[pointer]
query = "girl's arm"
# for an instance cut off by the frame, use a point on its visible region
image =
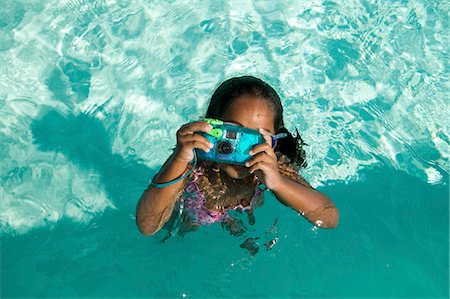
(155, 205)
(292, 190)
(289, 187)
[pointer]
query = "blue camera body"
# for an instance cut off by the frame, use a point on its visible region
(232, 143)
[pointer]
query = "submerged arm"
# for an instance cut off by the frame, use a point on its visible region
(275, 170)
(295, 192)
(155, 205)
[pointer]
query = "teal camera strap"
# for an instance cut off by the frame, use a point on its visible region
(162, 185)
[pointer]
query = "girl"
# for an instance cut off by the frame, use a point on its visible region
(212, 189)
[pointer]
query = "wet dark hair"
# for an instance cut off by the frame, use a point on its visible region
(231, 89)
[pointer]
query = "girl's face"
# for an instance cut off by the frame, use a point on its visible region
(250, 112)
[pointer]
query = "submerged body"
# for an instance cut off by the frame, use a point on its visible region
(213, 206)
(210, 193)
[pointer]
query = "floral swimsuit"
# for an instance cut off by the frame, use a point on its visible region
(194, 200)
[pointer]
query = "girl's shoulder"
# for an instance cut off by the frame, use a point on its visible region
(285, 162)
(289, 170)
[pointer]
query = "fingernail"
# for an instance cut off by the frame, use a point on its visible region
(208, 127)
(211, 145)
(251, 153)
(247, 164)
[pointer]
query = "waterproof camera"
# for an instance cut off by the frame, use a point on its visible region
(232, 143)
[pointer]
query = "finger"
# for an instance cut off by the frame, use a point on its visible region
(263, 166)
(261, 157)
(267, 136)
(199, 145)
(190, 128)
(188, 139)
(264, 147)
(192, 143)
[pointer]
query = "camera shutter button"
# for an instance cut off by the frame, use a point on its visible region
(216, 132)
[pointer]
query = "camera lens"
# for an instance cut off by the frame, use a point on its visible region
(225, 147)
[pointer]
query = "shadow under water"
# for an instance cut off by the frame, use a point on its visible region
(84, 140)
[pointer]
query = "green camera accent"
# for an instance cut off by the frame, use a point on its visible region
(213, 121)
(216, 132)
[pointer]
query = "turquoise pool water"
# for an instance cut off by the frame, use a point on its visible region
(92, 93)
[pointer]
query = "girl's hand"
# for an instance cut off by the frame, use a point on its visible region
(188, 140)
(264, 162)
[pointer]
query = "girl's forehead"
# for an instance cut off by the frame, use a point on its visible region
(251, 112)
